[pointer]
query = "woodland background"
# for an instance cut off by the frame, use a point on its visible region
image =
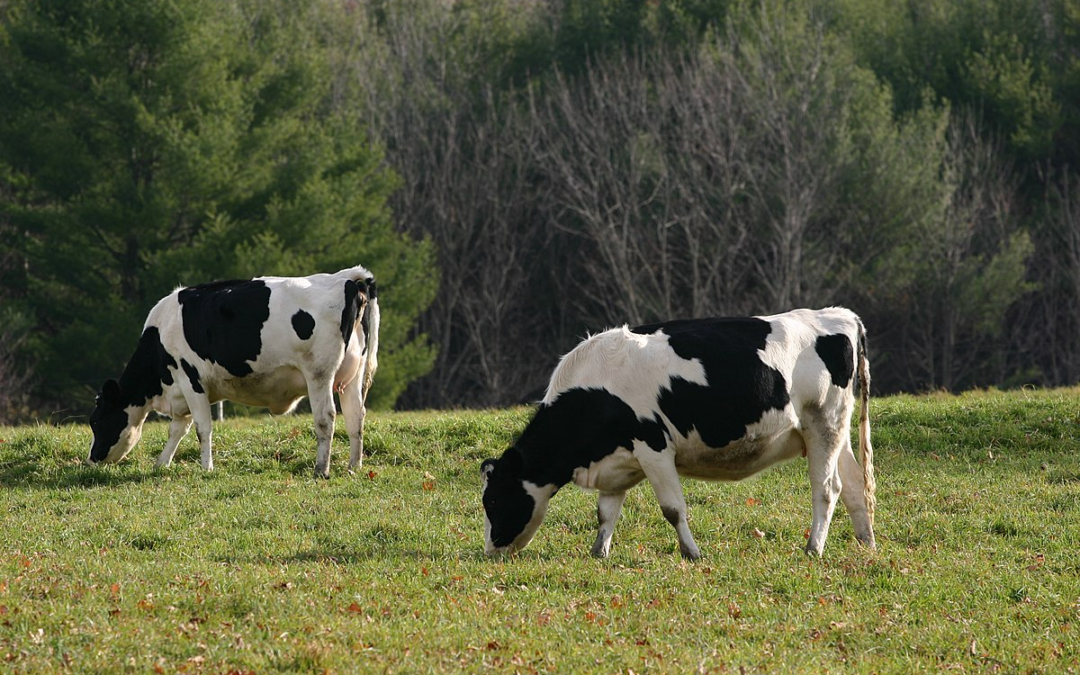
(518, 173)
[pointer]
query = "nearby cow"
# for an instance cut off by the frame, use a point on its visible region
(265, 342)
(715, 399)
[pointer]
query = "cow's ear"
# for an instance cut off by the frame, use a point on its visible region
(487, 467)
(110, 391)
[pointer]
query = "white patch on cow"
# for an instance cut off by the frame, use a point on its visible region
(631, 366)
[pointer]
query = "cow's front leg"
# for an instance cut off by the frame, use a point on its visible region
(178, 428)
(659, 468)
(352, 407)
(822, 453)
(851, 492)
(200, 412)
(322, 410)
(608, 507)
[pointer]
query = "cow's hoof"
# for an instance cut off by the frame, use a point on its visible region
(691, 552)
(600, 551)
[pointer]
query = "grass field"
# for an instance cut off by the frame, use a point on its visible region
(256, 567)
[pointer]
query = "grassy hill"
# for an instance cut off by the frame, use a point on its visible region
(256, 567)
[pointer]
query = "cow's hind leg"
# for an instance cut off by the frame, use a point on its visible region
(608, 508)
(851, 492)
(178, 428)
(322, 410)
(659, 468)
(352, 408)
(823, 442)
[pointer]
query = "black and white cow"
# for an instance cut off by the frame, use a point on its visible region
(714, 399)
(265, 342)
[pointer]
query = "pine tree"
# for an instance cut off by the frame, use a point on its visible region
(147, 144)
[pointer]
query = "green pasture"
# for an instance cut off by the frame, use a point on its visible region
(259, 568)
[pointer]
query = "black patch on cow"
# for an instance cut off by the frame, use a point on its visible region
(581, 426)
(147, 370)
(223, 322)
(351, 311)
(142, 379)
(193, 377)
(304, 324)
(741, 387)
(365, 322)
(839, 357)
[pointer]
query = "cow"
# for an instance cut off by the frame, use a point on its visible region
(264, 342)
(714, 399)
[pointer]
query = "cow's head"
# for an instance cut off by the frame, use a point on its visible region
(513, 507)
(117, 427)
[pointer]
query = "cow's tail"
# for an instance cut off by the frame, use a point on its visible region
(866, 450)
(370, 324)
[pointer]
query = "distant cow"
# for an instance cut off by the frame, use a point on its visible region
(714, 399)
(264, 342)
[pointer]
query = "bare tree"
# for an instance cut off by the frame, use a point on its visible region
(971, 266)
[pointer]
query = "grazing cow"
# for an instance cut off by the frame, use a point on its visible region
(265, 342)
(714, 399)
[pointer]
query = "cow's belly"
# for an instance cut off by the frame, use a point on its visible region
(737, 460)
(278, 389)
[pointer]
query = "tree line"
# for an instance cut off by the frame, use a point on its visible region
(519, 173)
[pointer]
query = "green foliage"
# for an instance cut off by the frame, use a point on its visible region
(154, 144)
(256, 567)
(994, 57)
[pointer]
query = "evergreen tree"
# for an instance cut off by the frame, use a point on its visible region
(152, 143)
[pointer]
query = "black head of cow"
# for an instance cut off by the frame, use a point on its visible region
(514, 507)
(117, 427)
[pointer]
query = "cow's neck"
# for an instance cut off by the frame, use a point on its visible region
(147, 372)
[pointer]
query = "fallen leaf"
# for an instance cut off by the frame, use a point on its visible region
(752, 502)
(355, 608)
(371, 475)
(758, 533)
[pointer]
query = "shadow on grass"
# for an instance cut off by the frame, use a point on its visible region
(354, 556)
(24, 472)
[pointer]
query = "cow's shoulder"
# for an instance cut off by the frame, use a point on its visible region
(581, 426)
